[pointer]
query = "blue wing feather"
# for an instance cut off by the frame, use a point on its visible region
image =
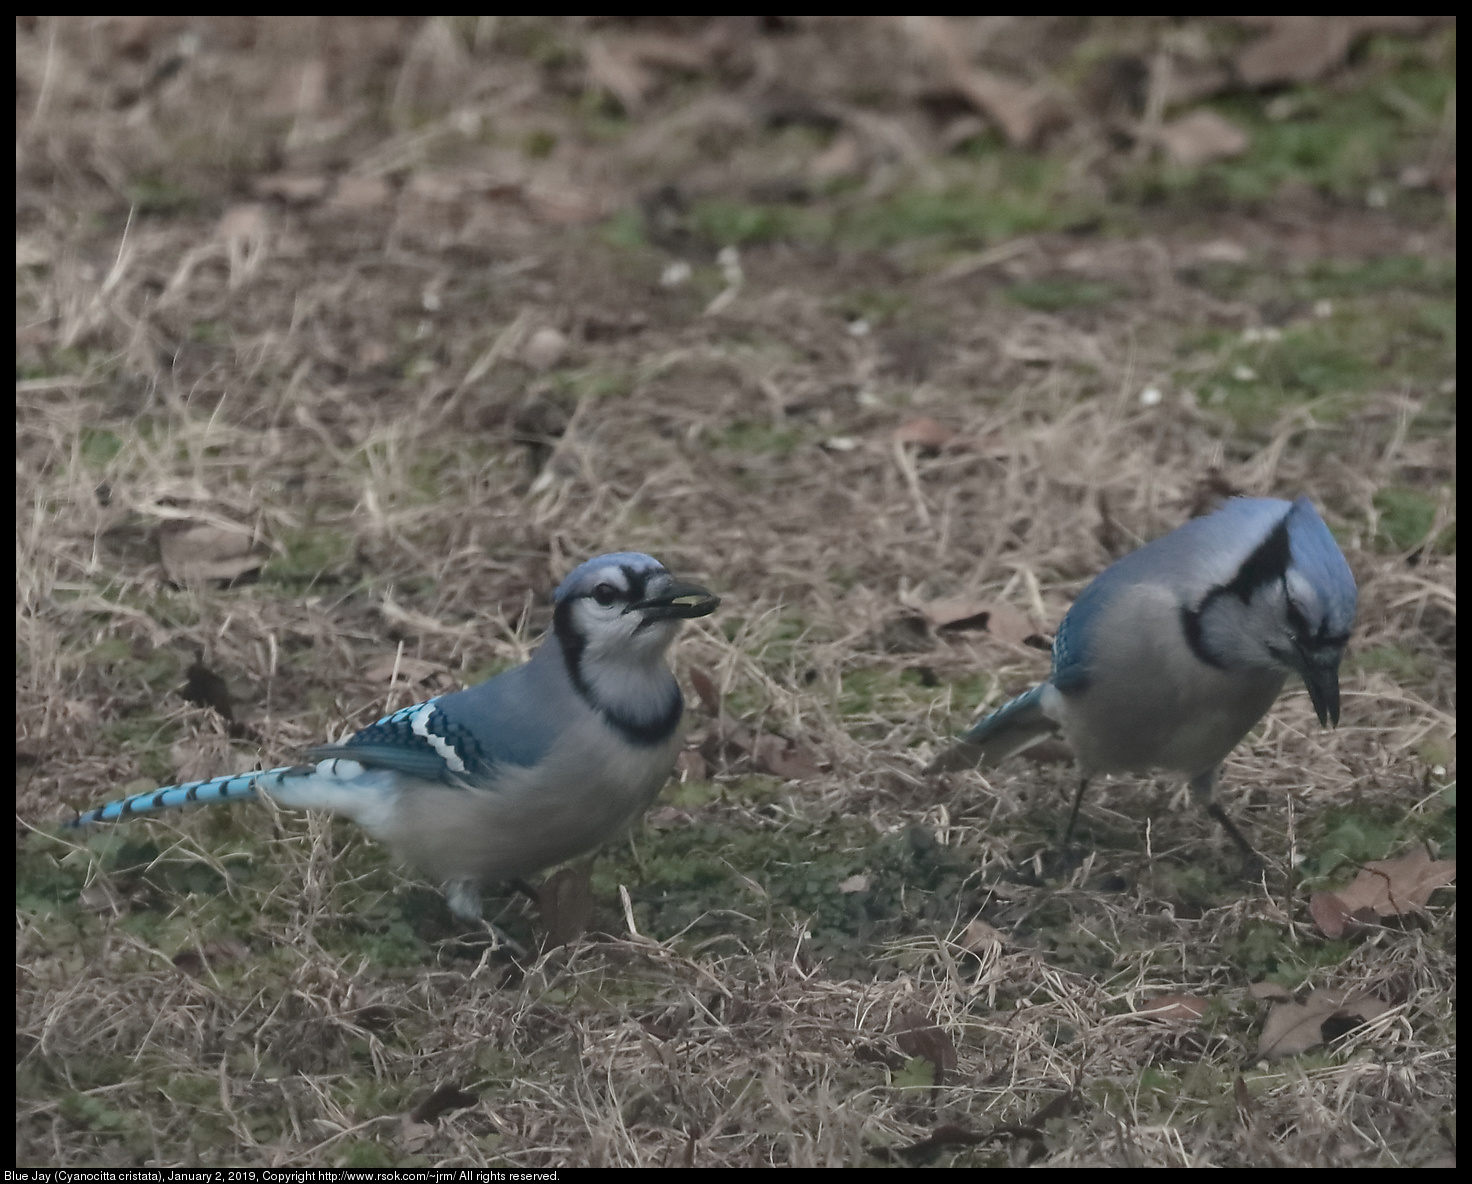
(461, 738)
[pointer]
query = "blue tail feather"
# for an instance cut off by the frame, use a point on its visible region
(236, 787)
(1015, 725)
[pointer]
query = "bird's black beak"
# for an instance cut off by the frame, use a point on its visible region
(679, 600)
(1322, 680)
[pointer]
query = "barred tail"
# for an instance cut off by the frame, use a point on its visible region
(217, 789)
(1017, 724)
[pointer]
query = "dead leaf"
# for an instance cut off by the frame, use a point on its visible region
(405, 670)
(667, 817)
(919, 1036)
(99, 897)
(203, 551)
(1304, 48)
(1202, 137)
(442, 1101)
(562, 204)
(853, 884)
(360, 193)
(1270, 991)
(1293, 1028)
(616, 71)
(1332, 917)
(925, 433)
(1394, 887)
(1022, 112)
(292, 188)
(978, 937)
(705, 687)
(784, 758)
(667, 52)
(211, 955)
(415, 1136)
(1001, 620)
(1191, 81)
(1049, 752)
(1175, 1008)
(842, 158)
(198, 758)
(566, 904)
(691, 766)
(246, 221)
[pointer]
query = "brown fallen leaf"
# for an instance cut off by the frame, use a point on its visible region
(919, 1036)
(292, 188)
(1305, 48)
(1293, 1028)
(667, 818)
(565, 901)
(730, 739)
(668, 52)
(1201, 137)
(784, 758)
(200, 757)
(691, 766)
(1270, 991)
(705, 687)
(926, 434)
(197, 551)
(405, 670)
(616, 71)
(1394, 887)
(1021, 111)
(1001, 620)
(842, 158)
(1332, 917)
(1050, 751)
(360, 193)
(1175, 1008)
(214, 954)
(979, 937)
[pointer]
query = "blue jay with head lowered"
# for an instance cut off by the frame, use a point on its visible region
(539, 765)
(1170, 656)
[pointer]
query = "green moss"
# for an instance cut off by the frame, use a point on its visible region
(539, 143)
(1404, 666)
(153, 193)
(307, 556)
(758, 438)
(1059, 294)
(1406, 519)
(98, 446)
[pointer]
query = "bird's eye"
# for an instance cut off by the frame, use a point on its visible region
(605, 594)
(1297, 622)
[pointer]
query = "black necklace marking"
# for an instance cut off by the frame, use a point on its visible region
(644, 733)
(1267, 564)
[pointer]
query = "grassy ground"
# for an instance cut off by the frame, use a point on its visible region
(339, 342)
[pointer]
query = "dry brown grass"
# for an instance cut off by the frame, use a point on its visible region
(339, 373)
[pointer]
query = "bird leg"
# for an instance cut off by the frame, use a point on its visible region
(1203, 785)
(1078, 800)
(1252, 860)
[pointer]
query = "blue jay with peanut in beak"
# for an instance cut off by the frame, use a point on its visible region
(541, 764)
(1169, 657)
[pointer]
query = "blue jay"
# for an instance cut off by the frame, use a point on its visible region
(1170, 656)
(540, 764)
